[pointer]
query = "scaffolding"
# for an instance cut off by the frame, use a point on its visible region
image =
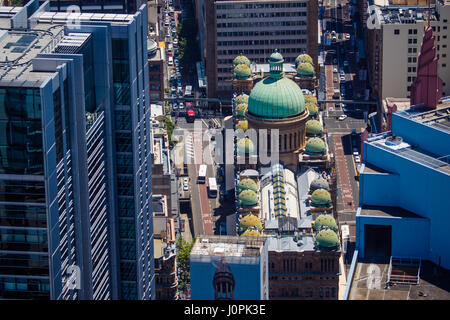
(404, 270)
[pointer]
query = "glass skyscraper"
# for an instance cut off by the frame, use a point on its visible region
(75, 167)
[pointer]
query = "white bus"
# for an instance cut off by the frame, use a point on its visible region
(201, 174)
(188, 91)
(212, 187)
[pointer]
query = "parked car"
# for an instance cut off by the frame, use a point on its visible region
(357, 159)
(355, 152)
(342, 117)
(346, 63)
(186, 187)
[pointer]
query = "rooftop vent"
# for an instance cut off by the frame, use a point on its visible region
(394, 140)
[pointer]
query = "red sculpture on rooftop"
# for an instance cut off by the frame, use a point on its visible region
(427, 87)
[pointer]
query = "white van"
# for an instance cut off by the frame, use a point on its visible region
(170, 61)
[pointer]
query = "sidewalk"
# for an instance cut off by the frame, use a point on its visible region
(342, 278)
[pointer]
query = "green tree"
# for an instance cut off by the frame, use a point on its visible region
(183, 259)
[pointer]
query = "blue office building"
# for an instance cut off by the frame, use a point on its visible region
(75, 167)
(404, 206)
(229, 268)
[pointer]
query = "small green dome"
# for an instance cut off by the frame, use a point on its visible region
(245, 145)
(327, 239)
(305, 70)
(313, 110)
(251, 233)
(247, 184)
(242, 124)
(248, 198)
(315, 147)
(240, 109)
(241, 59)
(313, 128)
(319, 183)
(325, 221)
(303, 58)
(250, 221)
(242, 98)
(242, 72)
(321, 198)
(276, 57)
(309, 98)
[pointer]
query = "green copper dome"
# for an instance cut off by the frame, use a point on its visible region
(251, 222)
(305, 70)
(303, 58)
(319, 183)
(325, 221)
(315, 147)
(240, 109)
(242, 98)
(247, 184)
(276, 57)
(242, 124)
(327, 239)
(309, 98)
(251, 233)
(313, 128)
(276, 97)
(313, 110)
(321, 198)
(242, 72)
(241, 59)
(248, 198)
(245, 145)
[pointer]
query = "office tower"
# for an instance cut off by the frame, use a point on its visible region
(255, 29)
(393, 48)
(75, 171)
(229, 268)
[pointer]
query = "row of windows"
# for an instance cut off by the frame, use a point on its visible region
(22, 191)
(261, 33)
(259, 42)
(263, 52)
(262, 15)
(20, 284)
(308, 292)
(262, 5)
(23, 236)
(261, 24)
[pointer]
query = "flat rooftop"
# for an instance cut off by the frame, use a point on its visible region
(384, 211)
(303, 243)
(434, 283)
(230, 246)
(400, 14)
(411, 153)
(438, 118)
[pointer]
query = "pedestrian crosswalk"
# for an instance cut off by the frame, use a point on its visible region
(189, 147)
(216, 122)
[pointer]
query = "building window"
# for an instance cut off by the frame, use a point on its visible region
(396, 31)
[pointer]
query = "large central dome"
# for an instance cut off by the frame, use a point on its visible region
(276, 97)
